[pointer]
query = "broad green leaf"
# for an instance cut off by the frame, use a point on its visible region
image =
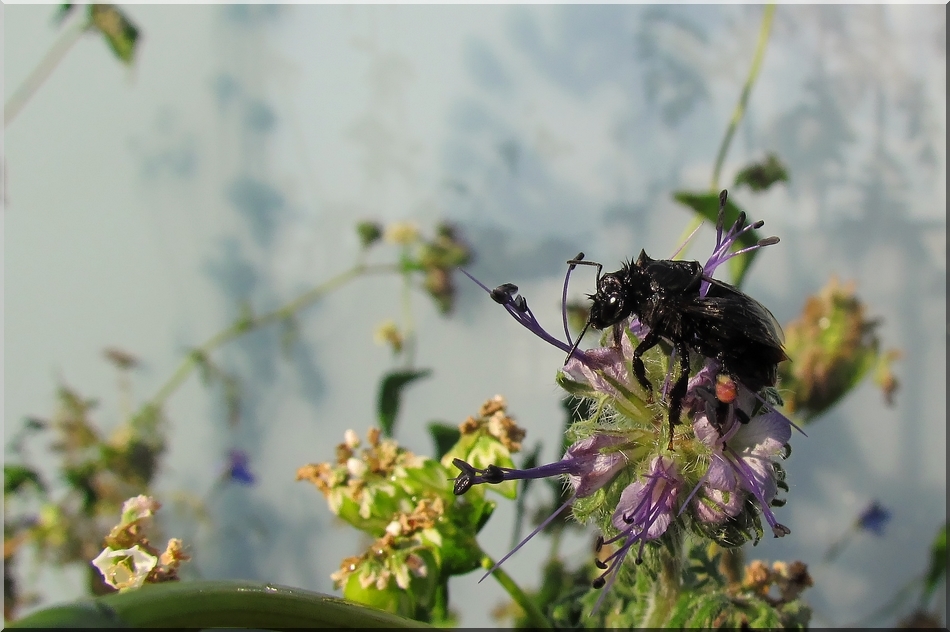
(218, 604)
(707, 206)
(115, 26)
(390, 393)
(88, 614)
(444, 436)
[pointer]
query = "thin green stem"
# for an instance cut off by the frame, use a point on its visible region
(739, 112)
(41, 73)
(737, 115)
(245, 325)
(536, 618)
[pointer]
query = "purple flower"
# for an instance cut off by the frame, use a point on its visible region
(721, 253)
(589, 464)
(874, 518)
(507, 296)
(742, 458)
(237, 468)
(644, 513)
(601, 366)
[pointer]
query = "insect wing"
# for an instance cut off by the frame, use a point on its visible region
(671, 277)
(763, 326)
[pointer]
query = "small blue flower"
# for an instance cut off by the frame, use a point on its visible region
(874, 518)
(238, 469)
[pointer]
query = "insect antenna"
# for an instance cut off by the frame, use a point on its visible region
(578, 341)
(573, 263)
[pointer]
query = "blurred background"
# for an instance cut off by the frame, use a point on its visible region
(229, 163)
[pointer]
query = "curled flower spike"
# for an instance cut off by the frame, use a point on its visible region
(644, 513)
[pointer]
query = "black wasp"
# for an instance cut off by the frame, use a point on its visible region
(725, 323)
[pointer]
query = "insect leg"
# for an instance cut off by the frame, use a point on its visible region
(679, 388)
(580, 261)
(640, 371)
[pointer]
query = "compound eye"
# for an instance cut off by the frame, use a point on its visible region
(613, 308)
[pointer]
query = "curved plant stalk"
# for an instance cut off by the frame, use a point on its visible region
(739, 112)
(244, 325)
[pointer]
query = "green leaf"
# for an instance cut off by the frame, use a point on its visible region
(938, 563)
(115, 26)
(444, 436)
(707, 206)
(15, 477)
(390, 391)
(759, 176)
(203, 604)
(369, 233)
(34, 424)
(89, 614)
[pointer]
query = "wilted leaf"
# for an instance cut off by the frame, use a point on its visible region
(120, 33)
(832, 346)
(759, 176)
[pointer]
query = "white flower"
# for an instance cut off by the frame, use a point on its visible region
(139, 507)
(125, 568)
(351, 439)
(356, 467)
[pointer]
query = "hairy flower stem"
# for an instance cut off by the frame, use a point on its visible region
(44, 69)
(536, 618)
(668, 584)
(244, 325)
(731, 564)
